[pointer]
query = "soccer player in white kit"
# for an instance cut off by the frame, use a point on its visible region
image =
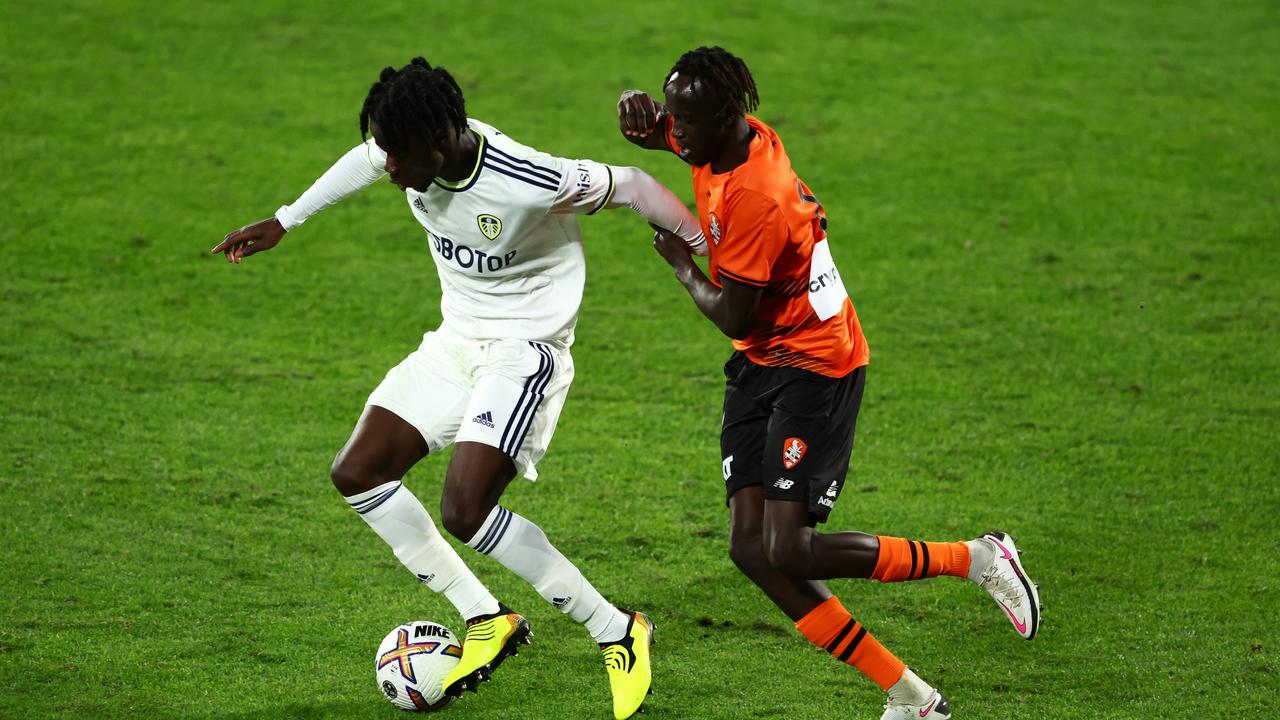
(493, 377)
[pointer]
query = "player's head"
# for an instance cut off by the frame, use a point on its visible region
(708, 92)
(416, 114)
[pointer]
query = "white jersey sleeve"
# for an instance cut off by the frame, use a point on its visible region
(359, 168)
(586, 186)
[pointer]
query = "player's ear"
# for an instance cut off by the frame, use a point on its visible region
(440, 141)
(729, 115)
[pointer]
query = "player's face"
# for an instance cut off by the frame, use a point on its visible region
(413, 168)
(699, 126)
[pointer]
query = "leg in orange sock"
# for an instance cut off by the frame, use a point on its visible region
(830, 627)
(902, 559)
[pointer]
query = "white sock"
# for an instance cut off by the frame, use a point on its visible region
(524, 549)
(981, 553)
(396, 515)
(910, 690)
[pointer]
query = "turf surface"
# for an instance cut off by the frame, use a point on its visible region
(1059, 223)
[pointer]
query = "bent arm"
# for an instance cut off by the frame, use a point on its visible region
(636, 189)
(733, 307)
(359, 168)
(642, 120)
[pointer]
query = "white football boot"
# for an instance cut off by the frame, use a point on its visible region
(937, 708)
(1008, 583)
(911, 698)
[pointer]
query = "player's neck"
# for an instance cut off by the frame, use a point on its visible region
(737, 147)
(463, 158)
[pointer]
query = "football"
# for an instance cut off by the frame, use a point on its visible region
(412, 662)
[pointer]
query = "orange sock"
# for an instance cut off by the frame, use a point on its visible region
(916, 560)
(830, 627)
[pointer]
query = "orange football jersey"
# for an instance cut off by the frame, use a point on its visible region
(767, 230)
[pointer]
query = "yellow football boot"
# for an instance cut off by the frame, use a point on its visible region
(490, 640)
(627, 662)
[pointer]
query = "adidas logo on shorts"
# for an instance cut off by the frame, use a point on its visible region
(485, 418)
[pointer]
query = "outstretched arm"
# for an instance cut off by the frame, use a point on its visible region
(587, 186)
(359, 168)
(733, 307)
(636, 189)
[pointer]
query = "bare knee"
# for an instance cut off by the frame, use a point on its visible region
(746, 550)
(352, 474)
(791, 553)
(461, 518)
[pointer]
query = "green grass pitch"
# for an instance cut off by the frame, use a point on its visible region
(1059, 221)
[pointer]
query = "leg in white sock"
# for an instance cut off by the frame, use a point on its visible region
(523, 548)
(400, 519)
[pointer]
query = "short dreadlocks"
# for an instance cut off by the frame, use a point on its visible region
(411, 105)
(723, 77)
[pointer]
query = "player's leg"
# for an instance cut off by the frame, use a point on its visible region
(799, 550)
(757, 471)
(807, 448)
(831, 627)
(794, 596)
(368, 471)
(817, 614)
(742, 441)
(507, 427)
(474, 481)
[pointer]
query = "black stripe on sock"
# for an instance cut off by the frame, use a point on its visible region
(853, 645)
(924, 552)
(831, 646)
(911, 575)
(485, 543)
(502, 531)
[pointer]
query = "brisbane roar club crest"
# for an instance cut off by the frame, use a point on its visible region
(793, 452)
(489, 225)
(714, 226)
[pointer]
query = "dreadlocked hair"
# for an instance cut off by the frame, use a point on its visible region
(723, 76)
(413, 104)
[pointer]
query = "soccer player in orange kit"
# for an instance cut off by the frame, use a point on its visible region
(795, 379)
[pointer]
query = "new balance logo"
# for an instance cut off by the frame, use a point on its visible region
(485, 418)
(419, 205)
(783, 483)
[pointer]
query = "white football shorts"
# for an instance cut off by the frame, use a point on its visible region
(504, 393)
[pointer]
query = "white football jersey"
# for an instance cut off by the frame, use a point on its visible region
(506, 245)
